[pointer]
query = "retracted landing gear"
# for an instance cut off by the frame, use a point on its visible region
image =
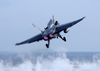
(64, 39)
(47, 45)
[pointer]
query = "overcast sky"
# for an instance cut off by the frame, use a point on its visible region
(17, 16)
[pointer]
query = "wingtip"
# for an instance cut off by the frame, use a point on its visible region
(16, 44)
(84, 17)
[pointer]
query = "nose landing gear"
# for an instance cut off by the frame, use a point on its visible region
(47, 45)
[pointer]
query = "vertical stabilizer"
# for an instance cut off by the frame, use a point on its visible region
(37, 28)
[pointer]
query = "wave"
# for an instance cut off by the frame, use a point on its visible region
(42, 62)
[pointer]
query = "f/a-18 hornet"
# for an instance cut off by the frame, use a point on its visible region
(52, 30)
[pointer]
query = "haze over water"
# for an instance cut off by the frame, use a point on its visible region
(55, 61)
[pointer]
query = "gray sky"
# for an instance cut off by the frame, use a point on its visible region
(17, 16)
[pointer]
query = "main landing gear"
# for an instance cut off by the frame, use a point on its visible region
(64, 39)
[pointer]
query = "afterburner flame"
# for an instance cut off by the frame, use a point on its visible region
(45, 38)
(51, 36)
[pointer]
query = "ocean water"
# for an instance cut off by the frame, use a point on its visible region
(54, 61)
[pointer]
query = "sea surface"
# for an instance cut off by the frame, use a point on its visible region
(52, 61)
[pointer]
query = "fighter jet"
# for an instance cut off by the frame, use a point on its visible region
(52, 31)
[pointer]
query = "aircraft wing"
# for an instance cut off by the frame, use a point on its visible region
(65, 26)
(33, 39)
